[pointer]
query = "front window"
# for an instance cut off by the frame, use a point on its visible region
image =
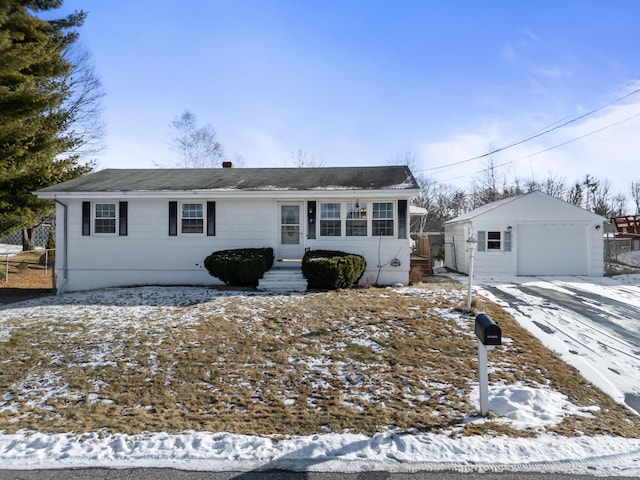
(382, 223)
(192, 219)
(330, 220)
(356, 219)
(105, 218)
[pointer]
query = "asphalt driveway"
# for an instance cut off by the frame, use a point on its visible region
(594, 324)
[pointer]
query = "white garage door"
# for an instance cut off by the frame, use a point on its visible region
(552, 249)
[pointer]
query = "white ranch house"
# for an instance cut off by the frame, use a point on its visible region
(529, 234)
(120, 227)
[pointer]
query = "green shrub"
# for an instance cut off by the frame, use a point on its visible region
(330, 269)
(240, 267)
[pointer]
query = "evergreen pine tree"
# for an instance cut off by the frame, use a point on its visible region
(34, 125)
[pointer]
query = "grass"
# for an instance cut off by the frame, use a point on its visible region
(356, 360)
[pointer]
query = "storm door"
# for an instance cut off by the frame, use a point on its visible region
(290, 235)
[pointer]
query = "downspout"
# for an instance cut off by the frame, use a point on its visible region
(65, 248)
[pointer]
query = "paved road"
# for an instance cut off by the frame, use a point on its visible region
(168, 474)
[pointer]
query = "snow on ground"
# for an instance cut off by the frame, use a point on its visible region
(518, 405)
(603, 342)
(330, 452)
(9, 249)
(630, 258)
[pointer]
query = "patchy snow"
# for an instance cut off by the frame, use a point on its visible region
(630, 258)
(524, 407)
(9, 249)
(602, 343)
(520, 406)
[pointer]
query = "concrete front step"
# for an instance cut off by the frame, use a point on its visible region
(283, 280)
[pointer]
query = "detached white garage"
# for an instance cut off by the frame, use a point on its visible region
(530, 234)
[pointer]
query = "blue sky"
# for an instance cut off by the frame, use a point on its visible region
(365, 82)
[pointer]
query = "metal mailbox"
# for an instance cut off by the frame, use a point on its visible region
(487, 330)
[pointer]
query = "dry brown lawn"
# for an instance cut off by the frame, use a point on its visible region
(365, 360)
(27, 278)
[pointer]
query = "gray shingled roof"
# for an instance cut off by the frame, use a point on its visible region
(249, 179)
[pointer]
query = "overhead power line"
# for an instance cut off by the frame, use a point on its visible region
(510, 162)
(550, 128)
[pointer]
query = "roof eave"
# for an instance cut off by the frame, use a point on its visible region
(234, 193)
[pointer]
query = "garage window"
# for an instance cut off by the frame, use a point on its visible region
(494, 241)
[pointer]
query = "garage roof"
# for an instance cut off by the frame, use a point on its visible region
(533, 198)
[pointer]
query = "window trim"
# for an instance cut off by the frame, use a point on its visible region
(360, 210)
(505, 241)
(391, 219)
(208, 218)
(492, 241)
(89, 217)
(95, 218)
(324, 219)
(182, 218)
(392, 213)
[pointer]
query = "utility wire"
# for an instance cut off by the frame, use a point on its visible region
(545, 130)
(510, 162)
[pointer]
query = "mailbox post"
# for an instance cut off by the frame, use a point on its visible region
(489, 335)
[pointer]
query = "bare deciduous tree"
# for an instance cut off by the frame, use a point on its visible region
(302, 159)
(442, 202)
(198, 146)
(635, 195)
(84, 104)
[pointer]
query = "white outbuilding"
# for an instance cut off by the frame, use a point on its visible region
(529, 234)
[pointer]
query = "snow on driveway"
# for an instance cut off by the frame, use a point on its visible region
(593, 323)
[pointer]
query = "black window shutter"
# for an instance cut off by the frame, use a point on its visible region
(211, 219)
(402, 219)
(173, 219)
(122, 214)
(86, 218)
(311, 219)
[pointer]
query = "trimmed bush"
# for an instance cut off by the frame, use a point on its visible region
(240, 267)
(331, 269)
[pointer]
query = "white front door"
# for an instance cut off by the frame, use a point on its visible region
(290, 234)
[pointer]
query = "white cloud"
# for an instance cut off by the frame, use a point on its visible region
(508, 52)
(604, 145)
(553, 72)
